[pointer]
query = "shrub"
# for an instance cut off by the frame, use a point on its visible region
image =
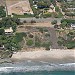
(29, 42)
(46, 30)
(46, 15)
(41, 30)
(24, 21)
(33, 21)
(19, 37)
(54, 22)
(37, 44)
(57, 9)
(31, 36)
(46, 45)
(1, 31)
(2, 12)
(47, 35)
(70, 44)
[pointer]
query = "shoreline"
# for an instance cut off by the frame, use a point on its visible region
(60, 60)
(52, 56)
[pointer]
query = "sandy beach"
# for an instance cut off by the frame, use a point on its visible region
(52, 55)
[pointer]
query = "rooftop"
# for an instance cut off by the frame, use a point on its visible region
(73, 25)
(9, 30)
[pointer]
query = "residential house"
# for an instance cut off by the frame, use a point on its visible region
(8, 31)
(71, 8)
(2, 47)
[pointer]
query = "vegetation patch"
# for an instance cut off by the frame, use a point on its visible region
(30, 42)
(22, 16)
(2, 11)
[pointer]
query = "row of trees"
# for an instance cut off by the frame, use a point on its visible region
(69, 21)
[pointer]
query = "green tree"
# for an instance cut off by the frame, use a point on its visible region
(9, 22)
(1, 31)
(54, 22)
(30, 42)
(64, 24)
(46, 45)
(70, 44)
(33, 21)
(57, 9)
(37, 44)
(2, 11)
(43, 4)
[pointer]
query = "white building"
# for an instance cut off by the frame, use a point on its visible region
(2, 47)
(35, 6)
(69, 0)
(8, 31)
(71, 8)
(72, 26)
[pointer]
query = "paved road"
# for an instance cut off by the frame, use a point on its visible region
(41, 19)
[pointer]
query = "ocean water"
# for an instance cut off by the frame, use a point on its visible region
(37, 68)
(41, 73)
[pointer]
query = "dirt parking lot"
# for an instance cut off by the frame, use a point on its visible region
(18, 7)
(2, 2)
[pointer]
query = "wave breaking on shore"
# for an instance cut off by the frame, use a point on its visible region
(50, 67)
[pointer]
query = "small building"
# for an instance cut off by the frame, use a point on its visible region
(71, 8)
(72, 26)
(69, 0)
(2, 47)
(35, 6)
(8, 31)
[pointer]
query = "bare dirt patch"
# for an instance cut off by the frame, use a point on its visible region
(18, 7)
(2, 2)
(22, 28)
